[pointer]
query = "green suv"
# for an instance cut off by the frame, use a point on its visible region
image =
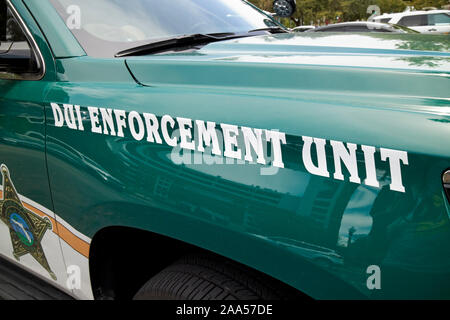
(199, 150)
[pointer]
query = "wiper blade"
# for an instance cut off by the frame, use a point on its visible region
(271, 30)
(177, 42)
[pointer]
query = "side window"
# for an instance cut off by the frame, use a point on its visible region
(383, 29)
(356, 29)
(414, 21)
(384, 20)
(332, 29)
(18, 60)
(438, 19)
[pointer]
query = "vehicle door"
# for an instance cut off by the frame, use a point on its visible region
(28, 228)
(418, 22)
(439, 23)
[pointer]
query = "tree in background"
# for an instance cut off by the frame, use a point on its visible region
(318, 12)
(419, 4)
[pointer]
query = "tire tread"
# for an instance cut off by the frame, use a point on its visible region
(206, 277)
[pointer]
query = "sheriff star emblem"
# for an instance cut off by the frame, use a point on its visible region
(26, 228)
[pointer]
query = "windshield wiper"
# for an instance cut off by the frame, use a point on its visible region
(178, 42)
(271, 30)
(187, 41)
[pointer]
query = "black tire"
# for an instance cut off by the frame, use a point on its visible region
(202, 277)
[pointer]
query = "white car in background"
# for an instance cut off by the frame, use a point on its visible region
(302, 28)
(432, 21)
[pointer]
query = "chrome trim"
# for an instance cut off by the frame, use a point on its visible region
(34, 47)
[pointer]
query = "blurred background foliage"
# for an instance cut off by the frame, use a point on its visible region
(319, 12)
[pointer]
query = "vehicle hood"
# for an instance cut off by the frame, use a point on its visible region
(257, 61)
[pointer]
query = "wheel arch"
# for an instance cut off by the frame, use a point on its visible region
(122, 259)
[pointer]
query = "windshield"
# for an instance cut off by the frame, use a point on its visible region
(104, 27)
